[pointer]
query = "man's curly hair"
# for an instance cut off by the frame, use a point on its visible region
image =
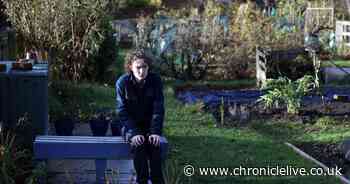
(135, 55)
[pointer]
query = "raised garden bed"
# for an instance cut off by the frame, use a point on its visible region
(211, 87)
(237, 107)
(329, 154)
(314, 107)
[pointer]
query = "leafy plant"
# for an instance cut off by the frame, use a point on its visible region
(100, 67)
(38, 173)
(103, 114)
(12, 159)
(324, 122)
(171, 172)
(62, 101)
(283, 91)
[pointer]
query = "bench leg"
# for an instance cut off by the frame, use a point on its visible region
(100, 165)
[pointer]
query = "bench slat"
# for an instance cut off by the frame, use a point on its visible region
(87, 147)
(84, 147)
(57, 150)
(78, 138)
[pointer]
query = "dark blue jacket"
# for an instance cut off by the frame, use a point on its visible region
(140, 107)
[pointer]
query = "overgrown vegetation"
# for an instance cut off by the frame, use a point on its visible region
(69, 99)
(191, 42)
(70, 30)
(101, 65)
(218, 40)
(16, 165)
(283, 91)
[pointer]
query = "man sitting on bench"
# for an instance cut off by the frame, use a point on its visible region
(140, 106)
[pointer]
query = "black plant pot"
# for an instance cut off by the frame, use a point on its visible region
(64, 127)
(116, 127)
(98, 127)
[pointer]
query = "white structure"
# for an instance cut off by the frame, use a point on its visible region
(342, 33)
(318, 16)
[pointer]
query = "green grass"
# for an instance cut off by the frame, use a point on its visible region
(340, 63)
(296, 132)
(195, 140)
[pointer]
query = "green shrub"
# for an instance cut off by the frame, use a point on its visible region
(119, 65)
(324, 122)
(14, 159)
(171, 172)
(38, 173)
(283, 91)
(68, 98)
(101, 64)
(196, 107)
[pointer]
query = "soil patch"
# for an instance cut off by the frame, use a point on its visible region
(241, 105)
(327, 153)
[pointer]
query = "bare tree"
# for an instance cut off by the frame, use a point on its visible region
(69, 28)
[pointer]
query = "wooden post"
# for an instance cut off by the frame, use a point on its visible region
(261, 67)
(317, 65)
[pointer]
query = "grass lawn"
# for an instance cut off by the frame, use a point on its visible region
(195, 140)
(340, 63)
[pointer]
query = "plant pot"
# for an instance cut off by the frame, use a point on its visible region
(116, 127)
(64, 127)
(2, 67)
(22, 66)
(98, 127)
(22, 178)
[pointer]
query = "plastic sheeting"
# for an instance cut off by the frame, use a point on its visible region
(214, 97)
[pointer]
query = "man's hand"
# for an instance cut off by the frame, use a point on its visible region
(137, 140)
(154, 139)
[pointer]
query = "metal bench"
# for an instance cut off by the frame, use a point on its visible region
(100, 149)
